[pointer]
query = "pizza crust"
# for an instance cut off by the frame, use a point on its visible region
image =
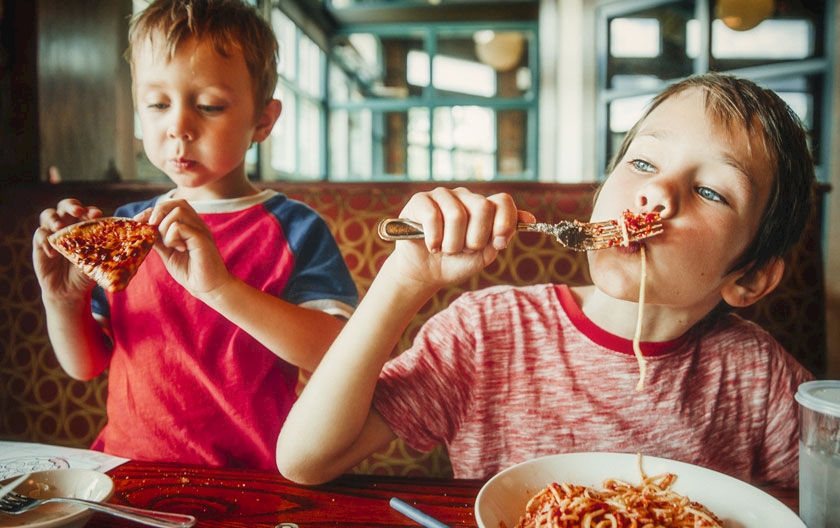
(109, 250)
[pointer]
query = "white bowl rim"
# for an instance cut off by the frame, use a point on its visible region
(104, 487)
(674, 466)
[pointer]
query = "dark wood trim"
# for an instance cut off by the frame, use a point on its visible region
(19, 136)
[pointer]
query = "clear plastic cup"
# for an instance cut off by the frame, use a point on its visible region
(819, 453)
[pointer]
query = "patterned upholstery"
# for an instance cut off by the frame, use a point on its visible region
(39, 403)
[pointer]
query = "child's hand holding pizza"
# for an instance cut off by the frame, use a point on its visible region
(187, 247)
(57, 275)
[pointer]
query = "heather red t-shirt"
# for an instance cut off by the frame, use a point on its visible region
(508, 374)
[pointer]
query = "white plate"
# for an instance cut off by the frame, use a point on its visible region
(79, 483)
(738, 504)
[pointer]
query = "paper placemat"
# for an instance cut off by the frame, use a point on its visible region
(18, 458)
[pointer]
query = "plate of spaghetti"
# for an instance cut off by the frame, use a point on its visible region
(595, 490)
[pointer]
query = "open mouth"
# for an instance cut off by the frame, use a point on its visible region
(630, 248)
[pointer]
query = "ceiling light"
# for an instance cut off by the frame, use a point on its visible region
(743, 15)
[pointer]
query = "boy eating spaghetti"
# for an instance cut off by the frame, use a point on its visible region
(509, 374)
(244, 286)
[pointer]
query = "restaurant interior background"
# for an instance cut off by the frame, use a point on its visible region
(394, 90)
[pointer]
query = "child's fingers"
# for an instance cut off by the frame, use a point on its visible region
(526, 216)
(166, 208)
(70, 207)
(177, 223)
(455, 210)
(458, 220)
(171, 228)
(165, 214)
(506, 219)
(492, 220)
(173, 236)
(68, 211)
(480, 223)
(40, 242)
(73, 208)
(144, 215)
(424, 209)
(48, 219)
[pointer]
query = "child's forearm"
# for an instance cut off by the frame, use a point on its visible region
(297, 335)
(332, 425)
(76, 338)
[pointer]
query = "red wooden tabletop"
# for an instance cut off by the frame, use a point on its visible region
(240, 497)
(232, 497)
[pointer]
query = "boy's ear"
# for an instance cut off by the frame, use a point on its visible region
(748, 288)
(267, 119)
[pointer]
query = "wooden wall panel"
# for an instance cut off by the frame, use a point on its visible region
(84, 102)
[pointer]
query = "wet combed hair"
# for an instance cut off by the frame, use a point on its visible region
(738, 102)
(228, 24)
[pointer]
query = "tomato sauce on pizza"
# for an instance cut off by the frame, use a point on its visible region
(109, 250)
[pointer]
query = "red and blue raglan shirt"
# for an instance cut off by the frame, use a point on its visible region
(184, 383)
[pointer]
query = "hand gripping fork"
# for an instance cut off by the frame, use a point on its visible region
(573, 234)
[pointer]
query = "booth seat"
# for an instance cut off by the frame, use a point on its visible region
(40, 403)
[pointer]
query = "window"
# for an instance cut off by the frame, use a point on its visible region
(640, 50)
(294, 150)
(397, 101)
(433, 102)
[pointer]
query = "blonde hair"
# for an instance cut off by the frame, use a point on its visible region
(228, 25)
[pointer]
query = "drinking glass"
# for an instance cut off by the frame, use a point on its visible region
(819, 453)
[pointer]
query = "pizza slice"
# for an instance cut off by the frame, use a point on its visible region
(108, 250)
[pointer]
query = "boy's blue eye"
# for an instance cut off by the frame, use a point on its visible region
(709, 194)
(210, 109)
(158, 106)
(642, 165)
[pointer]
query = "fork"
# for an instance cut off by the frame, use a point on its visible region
(15, 503)
(573, 234)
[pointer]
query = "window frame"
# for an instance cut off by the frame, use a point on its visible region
(818, 66)
(430, 31)
(292, 107)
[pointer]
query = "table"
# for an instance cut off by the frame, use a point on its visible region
(232, 497)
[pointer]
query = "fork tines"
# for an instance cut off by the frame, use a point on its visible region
(12, 502)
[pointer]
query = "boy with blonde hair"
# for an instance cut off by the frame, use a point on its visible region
(244, 287)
